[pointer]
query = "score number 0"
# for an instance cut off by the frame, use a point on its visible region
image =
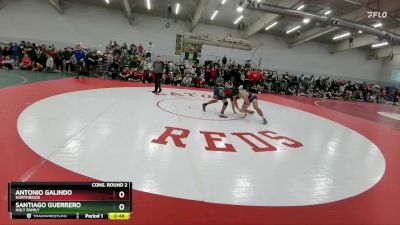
(121, 206)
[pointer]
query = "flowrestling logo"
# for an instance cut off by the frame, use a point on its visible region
(377, 14)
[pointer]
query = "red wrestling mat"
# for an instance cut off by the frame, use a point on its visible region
(378, 205)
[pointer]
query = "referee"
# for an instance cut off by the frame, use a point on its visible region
(158, 67)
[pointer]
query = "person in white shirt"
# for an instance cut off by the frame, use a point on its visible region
(8, 63)
(187, 80)
(49, 63)
(110, 59)
(149, 50)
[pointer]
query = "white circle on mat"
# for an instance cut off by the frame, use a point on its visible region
(107, 134)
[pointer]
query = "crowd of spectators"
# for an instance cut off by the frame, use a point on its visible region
(134, 63)
(328, 88)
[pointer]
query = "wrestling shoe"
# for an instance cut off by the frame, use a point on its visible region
(223, 115)
(265, 121)
(204, 107)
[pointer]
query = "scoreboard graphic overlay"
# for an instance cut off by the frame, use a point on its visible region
(70, 200)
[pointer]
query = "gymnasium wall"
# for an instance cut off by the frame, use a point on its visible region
(94, 25)
(391, 70)
(310, 57)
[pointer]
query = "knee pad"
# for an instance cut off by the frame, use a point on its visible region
(225, 103)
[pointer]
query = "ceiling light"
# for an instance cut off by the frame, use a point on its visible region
(293, 29)
(108, 1)
(341, 36)
(376, 25)
(223, 2)
(360, 31)
(272, 25)
(177, 8)
(306, 20)
(258, 1)
(379, 44)
(238, 19)
(300, 7)
(328, 12)
(148, 4)
(214, 14)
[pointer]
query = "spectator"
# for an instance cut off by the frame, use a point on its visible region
(213, 75)
(140, 49)
(66, 59)
(224, 61)
(168, 78)
(147, 77)
(149, 50)
(187, 80)
(26, 63)
(92, 63)
(135, 75)
(37, 67)
(136, 62)
(177, 79)
(113, 69)
(110, 59)
(16, 53)
(49, 63)
(125, 73)
(146, 71)
(8, 63)
(200, 82)
(80, 57)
